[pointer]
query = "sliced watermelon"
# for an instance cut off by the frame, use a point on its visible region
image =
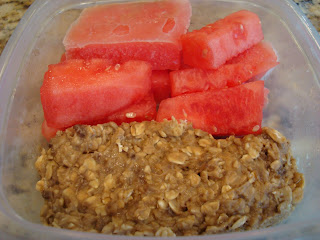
(195, 80)
(81, 92)
(160, 83)
(48, 132)
(216, 43)
(148, 31)
(236, 110)
(145, 110)
(254, 61)
(63, 57)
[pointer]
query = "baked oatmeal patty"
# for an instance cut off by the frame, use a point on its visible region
(166, 179)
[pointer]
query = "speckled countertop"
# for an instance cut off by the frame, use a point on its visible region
(11, 12)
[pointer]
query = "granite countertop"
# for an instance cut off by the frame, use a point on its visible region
(11, 11)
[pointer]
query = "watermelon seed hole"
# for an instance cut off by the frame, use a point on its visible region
(121, 30)
(169, 25)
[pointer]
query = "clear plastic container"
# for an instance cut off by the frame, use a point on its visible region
(293, 109)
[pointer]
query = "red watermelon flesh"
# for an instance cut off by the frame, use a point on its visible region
(195, 80)
(236, 110)
(63, 57)
(81, 92)
(216, 43)
(254, 61)
(160, 82)
(148, 31)
(183, 65)
(48, 132)
(144, 110)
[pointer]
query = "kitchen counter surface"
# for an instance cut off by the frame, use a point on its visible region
(11, 11)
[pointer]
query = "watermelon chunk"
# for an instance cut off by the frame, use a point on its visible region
(252, 62)
(82, 92)
(63, 57)
(48, 132)
(195, 80)
(148, 31)
(145, 110)
(216, 43)
(236, 110)
(160, 83)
